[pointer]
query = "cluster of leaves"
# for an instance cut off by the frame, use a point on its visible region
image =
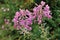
(51, 31)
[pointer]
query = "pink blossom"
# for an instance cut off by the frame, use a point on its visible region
(46, 8)
(25, 18)
(42, 3)
(6, 21)
(28, 27)
(22, 18)
(17, 14)
(47, 12)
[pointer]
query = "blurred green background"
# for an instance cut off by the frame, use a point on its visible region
(51, 29)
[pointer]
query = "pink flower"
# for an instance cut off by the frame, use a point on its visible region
(28, 22)
(17, 14)
(22, 22)
(22, 12)
(25, 18)
(28, 27)
(6, 21)
(47, 12)
(46, 8)
(42, 3)
(39, 22)
(49, 16)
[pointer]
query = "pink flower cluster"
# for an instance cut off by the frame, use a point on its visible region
(25, 18)
(41, 11)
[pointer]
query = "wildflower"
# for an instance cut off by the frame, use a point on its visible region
(2, 26)
(4, 10)
(6, 21)
(7, 9)
(23, 18)
(40, 11)
(47, 12)
(42, 3)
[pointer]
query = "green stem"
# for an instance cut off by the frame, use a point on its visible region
(24, 36)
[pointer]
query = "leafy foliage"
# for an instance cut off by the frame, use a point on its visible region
(49, 30)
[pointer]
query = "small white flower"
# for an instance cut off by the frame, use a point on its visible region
(8, 9)
(2, 26)
(4, 10)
